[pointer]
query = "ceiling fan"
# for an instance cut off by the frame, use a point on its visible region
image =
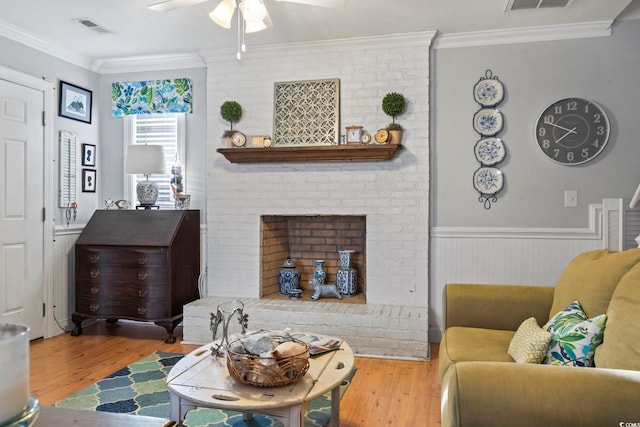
(167, 5)
(252, 15)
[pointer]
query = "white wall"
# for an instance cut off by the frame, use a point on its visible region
(394, 195)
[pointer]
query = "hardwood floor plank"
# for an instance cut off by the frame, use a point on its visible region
(384, 391)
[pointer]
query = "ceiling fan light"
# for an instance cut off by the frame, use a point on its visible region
(223, 13)
(254, 27)
(253, 10)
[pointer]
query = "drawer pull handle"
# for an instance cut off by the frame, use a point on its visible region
(94, 290)
(143, 293)
(142, 259)
(142, 310)
(94, 274)
(93, 259)
(94, 307)
(143, 275)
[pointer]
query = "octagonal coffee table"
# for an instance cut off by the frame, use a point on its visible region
(200, 380)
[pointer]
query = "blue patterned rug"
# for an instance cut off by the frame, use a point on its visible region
(140, 389)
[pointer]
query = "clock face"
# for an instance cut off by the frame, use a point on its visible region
(572, 131)
(238, 139)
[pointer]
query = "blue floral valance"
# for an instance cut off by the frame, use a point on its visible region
(152, 96)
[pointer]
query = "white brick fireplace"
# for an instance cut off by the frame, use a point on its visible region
(392, 195)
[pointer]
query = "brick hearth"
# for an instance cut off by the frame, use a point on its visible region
(370, 329)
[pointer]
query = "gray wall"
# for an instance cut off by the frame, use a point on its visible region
(36, 63)
(603, 69)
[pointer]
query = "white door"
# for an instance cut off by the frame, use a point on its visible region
(21, 205)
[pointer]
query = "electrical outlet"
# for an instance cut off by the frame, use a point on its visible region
(570, 198)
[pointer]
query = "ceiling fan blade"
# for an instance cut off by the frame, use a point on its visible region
(323, 3)
(167, 5)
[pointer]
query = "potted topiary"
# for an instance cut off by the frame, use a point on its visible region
(393, 104)
(230, 111)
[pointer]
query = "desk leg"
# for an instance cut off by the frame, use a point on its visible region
(335, 407)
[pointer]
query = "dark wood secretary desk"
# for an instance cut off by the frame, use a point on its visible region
(139, 265)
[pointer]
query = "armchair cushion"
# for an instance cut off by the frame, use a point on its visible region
(621, 346)
(461, 344)
(591, 278)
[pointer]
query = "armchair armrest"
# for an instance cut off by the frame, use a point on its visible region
(494, 394)
(495, 306)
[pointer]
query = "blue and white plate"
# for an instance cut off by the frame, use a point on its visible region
(488, 121)
(487, 180)
(488, 92)
(490, 151)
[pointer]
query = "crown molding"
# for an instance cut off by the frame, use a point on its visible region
(150, 62)
(13, 33)
(422, 39)
(524, 35)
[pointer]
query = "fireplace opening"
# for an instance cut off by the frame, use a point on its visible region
(306, 239)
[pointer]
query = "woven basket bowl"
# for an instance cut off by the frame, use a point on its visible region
(267, 371)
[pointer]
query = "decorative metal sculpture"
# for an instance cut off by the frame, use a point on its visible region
(306, 112)
(224, 313)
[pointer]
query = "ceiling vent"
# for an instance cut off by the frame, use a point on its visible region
(91, 25)
(536, 4)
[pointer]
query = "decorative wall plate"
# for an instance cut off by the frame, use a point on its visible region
(490, 151)
(488, 92)
(488, 180)
(488, 121)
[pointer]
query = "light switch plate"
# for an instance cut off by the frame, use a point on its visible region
(570, 198)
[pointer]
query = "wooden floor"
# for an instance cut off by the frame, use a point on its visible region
(383, 392)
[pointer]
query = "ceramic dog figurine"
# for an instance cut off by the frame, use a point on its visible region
(330, 289)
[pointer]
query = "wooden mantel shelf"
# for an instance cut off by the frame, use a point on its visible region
(312, 153)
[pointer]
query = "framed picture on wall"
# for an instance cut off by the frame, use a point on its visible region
(88, 155)
(75, 102)
(88, 180)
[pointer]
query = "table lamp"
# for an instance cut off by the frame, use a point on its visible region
(145, 159)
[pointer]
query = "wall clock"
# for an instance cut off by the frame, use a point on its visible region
(572, 131)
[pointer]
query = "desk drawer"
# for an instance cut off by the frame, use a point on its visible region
(124, 308)
(98, 256)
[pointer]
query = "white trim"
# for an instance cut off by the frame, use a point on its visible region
(150, 63)
(18, 35)
(416, 40)
(524, 35)
(593, 231)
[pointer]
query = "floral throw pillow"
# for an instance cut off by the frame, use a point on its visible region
(575, 337)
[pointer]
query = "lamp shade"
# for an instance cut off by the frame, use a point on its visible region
(223, 13)
(145, 159)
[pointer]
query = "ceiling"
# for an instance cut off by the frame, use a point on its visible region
(134, 30)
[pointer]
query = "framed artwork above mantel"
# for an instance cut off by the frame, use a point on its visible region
(306, 113)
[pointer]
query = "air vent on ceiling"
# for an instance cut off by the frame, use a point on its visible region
(536, 4)
(91, 25)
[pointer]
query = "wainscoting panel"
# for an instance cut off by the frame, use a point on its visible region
(526, 256)
(63, 278)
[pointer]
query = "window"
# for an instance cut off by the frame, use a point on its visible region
(166, 130)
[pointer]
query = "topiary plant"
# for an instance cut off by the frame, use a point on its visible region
(393, 104)
(230, 111)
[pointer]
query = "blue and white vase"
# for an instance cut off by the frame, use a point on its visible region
(319, 274)
(346, 277)
(288, 277)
